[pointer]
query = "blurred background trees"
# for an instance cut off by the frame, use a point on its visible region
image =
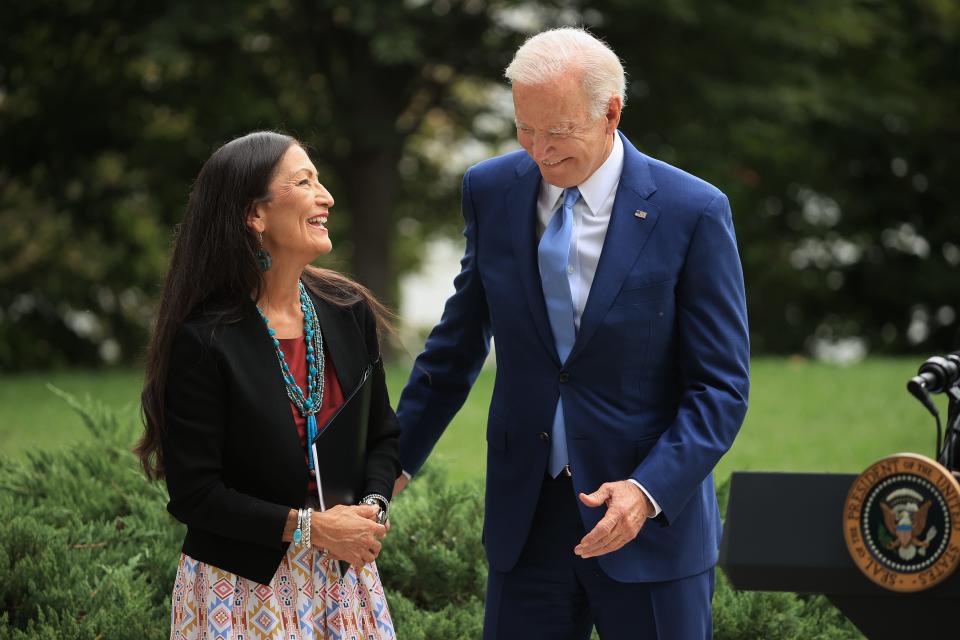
(831, 125)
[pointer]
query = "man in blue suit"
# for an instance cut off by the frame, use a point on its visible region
(612, 284)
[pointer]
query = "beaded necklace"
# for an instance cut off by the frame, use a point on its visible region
(308, 405)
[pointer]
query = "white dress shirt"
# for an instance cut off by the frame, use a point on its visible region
(591, 218)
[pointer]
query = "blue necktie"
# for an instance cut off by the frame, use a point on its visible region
(553, 256)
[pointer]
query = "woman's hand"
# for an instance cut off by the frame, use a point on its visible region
(348, 533)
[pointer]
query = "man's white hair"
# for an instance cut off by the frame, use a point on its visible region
(547, 55)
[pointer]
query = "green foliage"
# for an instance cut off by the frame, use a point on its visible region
(108, 110)
(433, 565)
(830, 124)
(86, 547)
(819, 122)
(88, 550)
(745, 615)
(452, 621)
(435, 557)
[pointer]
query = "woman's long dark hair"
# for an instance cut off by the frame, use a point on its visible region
(213, 266)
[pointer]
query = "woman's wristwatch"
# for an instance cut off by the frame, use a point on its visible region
(378, 500)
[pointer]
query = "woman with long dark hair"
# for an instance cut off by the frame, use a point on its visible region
(253, 348)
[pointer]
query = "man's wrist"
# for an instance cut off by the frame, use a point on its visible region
(655, 509)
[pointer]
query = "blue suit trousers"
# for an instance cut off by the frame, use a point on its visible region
(553, 594)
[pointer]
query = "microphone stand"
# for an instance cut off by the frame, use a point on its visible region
(950, 454)
(942, 375)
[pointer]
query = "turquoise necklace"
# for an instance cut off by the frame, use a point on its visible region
(307, 404)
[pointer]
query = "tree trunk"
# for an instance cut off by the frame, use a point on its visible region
(372, 179)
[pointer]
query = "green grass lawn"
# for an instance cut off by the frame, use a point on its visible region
(31, 416)
(803, 415)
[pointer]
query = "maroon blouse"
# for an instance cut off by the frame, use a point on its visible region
(295, 353)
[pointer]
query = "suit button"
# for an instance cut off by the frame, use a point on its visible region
(564, 376)
(545, 436)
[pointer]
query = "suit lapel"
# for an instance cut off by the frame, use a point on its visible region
(341, 342)
(626, 237)
(271, 385)
(521, 201)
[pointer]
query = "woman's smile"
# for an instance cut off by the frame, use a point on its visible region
(318, 222)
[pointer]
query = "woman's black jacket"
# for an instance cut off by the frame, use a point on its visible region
(232, 457)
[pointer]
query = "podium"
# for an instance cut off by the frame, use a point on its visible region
(784, 532)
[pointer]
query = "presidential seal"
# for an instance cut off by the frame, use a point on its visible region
(901, 522)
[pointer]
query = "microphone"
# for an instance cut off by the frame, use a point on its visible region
(936, 375)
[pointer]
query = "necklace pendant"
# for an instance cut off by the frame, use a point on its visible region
(311, 435)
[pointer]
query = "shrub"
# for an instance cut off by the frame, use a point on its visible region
(433, 565)
(87, 550)
(86, 547)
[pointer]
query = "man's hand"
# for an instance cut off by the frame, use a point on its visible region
(627, 510)
(400, 484)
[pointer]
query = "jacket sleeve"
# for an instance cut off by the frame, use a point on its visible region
(714, 358)
(452, 358)
(383, 430)
(193, 447)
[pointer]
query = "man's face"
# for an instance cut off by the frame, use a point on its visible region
(554, 126)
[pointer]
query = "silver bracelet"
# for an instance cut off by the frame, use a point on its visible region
(298, 532)
(308, 520)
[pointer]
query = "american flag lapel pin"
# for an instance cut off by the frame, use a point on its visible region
(640, 214)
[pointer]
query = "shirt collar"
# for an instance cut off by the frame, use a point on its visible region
(598, 186)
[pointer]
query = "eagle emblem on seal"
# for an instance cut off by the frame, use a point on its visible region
(905, 519)
(901, 522)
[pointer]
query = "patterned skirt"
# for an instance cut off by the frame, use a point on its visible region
(306, 600)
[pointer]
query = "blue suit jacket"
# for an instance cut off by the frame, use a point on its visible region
(654, 389)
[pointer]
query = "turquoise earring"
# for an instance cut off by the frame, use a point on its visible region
(263, 256)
